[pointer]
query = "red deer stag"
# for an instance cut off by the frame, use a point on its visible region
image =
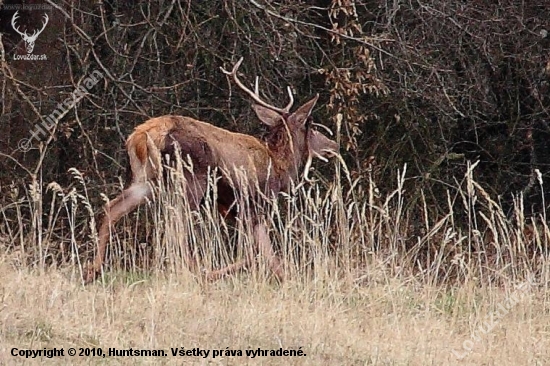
(270, 164)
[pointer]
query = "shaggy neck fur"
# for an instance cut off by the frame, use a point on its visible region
(288, 151)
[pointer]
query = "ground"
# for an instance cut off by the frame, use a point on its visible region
(334, 321)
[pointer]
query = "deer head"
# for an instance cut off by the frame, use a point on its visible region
(304, 141)
(29, 40)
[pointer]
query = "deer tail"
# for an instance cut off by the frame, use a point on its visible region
(144, 156)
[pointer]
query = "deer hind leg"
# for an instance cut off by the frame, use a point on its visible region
(126, 202)
(265, 248)
(196, 188)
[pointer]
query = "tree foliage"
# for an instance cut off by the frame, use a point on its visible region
(431, 84)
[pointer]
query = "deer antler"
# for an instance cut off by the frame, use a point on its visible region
(15, 27)
(35, 34)
(255, 95)
(44, 23)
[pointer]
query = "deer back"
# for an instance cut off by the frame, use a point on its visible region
(157, 141)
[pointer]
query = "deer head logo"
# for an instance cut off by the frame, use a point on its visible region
(29, 39)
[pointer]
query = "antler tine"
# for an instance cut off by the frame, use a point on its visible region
(324, 127)
(234, 71)
(291, 102)
(46, 19)
(255, 95)
(15, 27)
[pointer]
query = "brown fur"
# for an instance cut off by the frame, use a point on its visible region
(208, 146)
(269, 164)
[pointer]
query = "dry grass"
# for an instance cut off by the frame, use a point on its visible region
(396, 323)
(364, 288)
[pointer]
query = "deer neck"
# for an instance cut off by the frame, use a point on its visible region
(288, 155)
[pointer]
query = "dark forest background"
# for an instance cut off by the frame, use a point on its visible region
(432, 84)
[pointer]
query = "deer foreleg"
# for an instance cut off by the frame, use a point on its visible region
(263, 245)
(196, 185)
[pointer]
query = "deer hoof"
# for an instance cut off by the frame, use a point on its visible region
(90, 275)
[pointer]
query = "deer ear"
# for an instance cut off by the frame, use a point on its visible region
(267, 116)
(299, 117)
